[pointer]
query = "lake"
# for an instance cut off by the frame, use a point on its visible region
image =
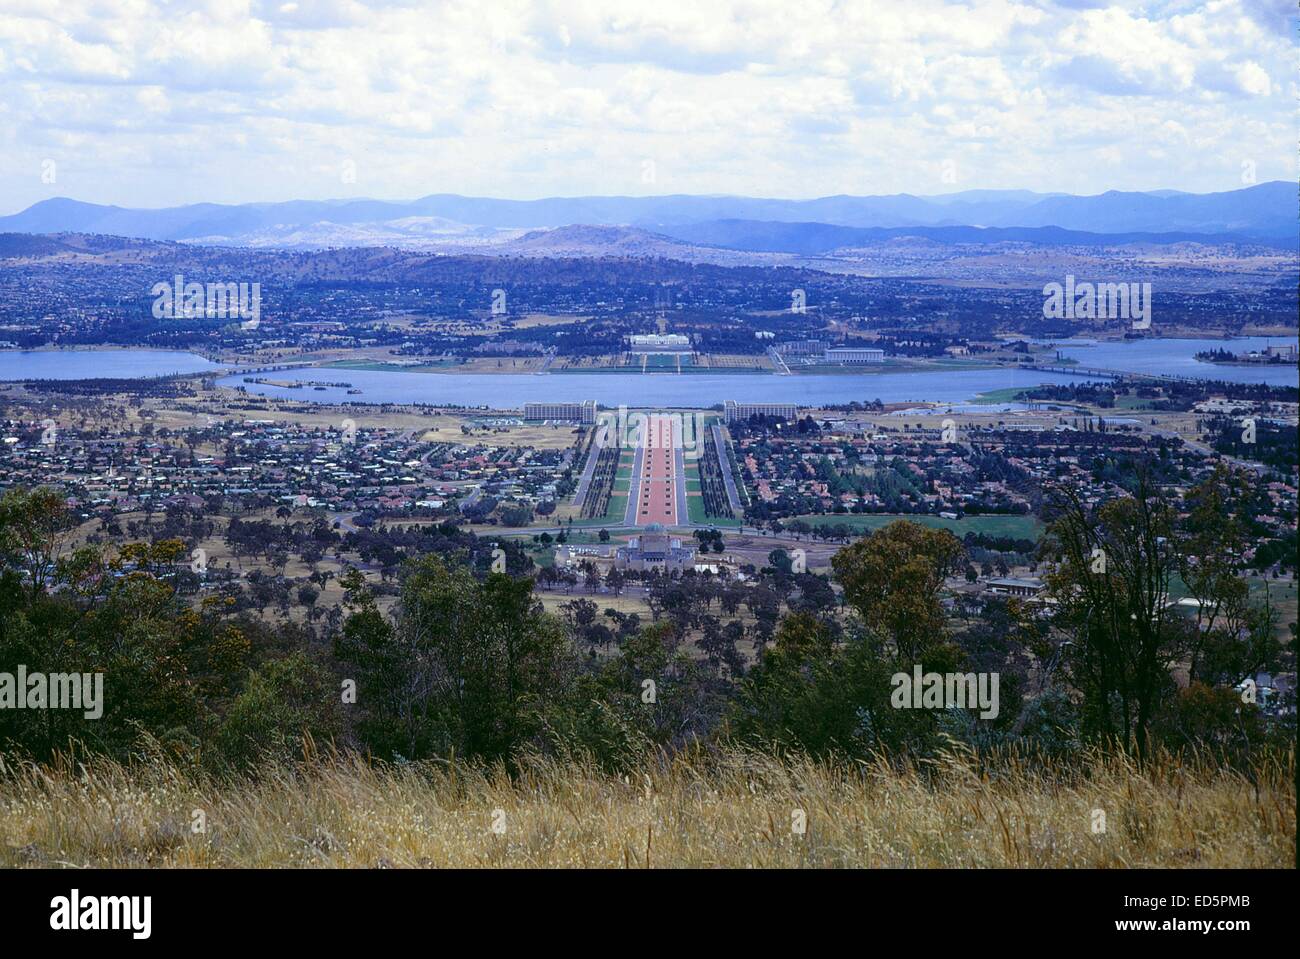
(691, 390)
(1178, 358)
(695, 390)
(88, 364)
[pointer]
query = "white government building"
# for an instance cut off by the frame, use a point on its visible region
(659, 343)
(853, 354)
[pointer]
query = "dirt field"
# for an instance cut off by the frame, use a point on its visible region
(220, 404)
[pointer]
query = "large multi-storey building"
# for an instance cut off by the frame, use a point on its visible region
(739, 412)
(853, 354)
(802, 348)
(583, 412)
(654, 549)
(659, 343)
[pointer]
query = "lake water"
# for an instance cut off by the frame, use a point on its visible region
(88, 364)
(691, 390)
(1178, 358)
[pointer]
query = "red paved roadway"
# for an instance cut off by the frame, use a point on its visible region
(657, 484)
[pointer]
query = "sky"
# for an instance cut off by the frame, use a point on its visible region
(151, 103)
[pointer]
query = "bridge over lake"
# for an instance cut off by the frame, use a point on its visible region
(1105, 373)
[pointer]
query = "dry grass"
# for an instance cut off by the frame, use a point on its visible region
(736, 810)
(500, 364)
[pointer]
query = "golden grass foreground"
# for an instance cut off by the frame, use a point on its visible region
(731, 809)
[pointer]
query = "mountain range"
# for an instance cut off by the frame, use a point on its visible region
(1263, 214)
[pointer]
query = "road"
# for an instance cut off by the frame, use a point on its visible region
(724, 463)
(679, 469)
(658, 488)
(584, 481)
(778, 361)
(633, 486)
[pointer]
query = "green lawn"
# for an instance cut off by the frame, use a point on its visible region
(617, 508)
(1281, 593)
(664, 361)
(694, 504)
(1131, 403)
(687, 368)
(614, 514)
(623, 478)
(717, 521)
(1009, 395)
(382, 367)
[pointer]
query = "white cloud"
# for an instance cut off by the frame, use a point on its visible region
(153, 103)
(1252, 79)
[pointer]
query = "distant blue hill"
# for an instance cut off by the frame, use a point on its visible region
(1267, 210)
(816, 239)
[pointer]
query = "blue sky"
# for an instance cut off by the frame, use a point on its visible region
(155, 103)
